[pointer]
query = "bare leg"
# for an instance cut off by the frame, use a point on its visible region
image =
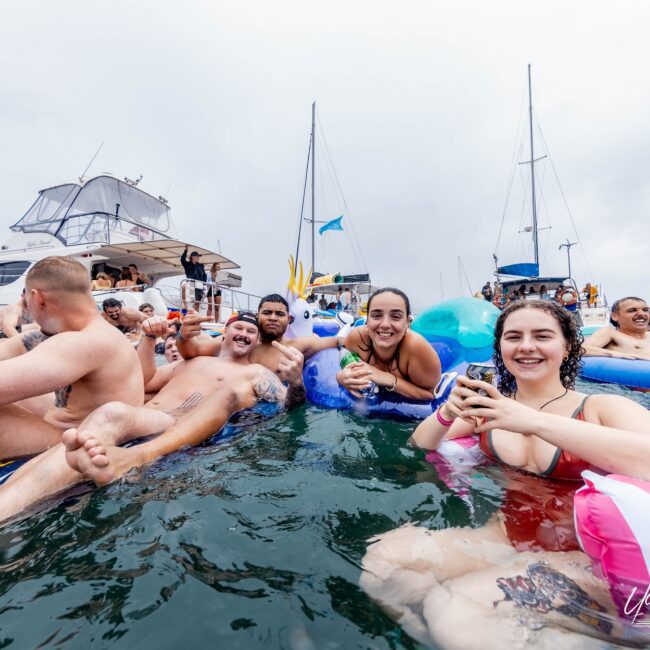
(23, 434)
(104, 463)
(51, 472)
(538, 600)
(402, 566)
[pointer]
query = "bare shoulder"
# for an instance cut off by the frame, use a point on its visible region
(617, 411)
(602, 336)
(355, 339)
(415, 343)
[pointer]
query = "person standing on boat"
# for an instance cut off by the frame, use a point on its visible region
(487, 292)
(392, 356)
(214, 291)
(322, 303)
(194, 270)
(628, 336)
(137, 277)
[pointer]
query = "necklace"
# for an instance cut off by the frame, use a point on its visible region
(555, 399)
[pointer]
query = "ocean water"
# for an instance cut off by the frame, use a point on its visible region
(255, 542)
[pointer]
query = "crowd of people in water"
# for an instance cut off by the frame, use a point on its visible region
(74, 390)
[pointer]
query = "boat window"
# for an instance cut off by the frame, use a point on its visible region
(11, 271)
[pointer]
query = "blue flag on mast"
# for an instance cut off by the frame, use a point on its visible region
(334, 224)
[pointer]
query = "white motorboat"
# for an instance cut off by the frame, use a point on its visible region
(105, 223)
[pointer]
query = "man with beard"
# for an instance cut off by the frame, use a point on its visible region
(273, 315)
(74, 355)
(628, 337)
(194, 401)
(124, 318)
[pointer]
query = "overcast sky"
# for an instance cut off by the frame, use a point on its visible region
(420, 102)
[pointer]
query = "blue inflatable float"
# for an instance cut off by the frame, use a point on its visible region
(460, 330)
(632, 373)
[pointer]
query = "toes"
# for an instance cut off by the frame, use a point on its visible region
(100, 460)
(97, 450)
(70, 439)
(90, 444)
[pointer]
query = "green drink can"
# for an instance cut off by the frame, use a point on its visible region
(348, 358)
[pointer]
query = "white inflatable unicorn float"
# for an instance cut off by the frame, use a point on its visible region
(301, 313)
(301, 317)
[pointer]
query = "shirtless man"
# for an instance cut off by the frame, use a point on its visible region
(194, 401)
(273, 315)
(628, 338)
(80, 358)
(14, 317)
(124, 318)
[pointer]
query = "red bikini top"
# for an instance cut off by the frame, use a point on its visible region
(564, 465)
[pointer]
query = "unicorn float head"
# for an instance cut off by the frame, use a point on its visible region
(301, 317)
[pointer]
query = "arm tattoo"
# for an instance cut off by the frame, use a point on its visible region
(32, 339)
(269, 388)
(544, 589)
(61, 396)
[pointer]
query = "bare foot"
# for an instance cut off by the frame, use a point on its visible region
(86, 455)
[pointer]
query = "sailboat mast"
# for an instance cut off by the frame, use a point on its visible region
(532, 168)
(313, 187)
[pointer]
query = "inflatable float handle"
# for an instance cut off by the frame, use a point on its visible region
(445, 381)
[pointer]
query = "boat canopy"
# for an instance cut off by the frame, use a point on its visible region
(162, 255)
(521, 270)
(98, 210)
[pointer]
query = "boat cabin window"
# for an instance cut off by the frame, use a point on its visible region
(11, 271)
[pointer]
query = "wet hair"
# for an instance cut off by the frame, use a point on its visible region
(397, 292)
(58, 274)
(145, 305)
(617, 306)
(171, 335)
(369, 347)
(570, 331)
(111, 302)
(273, 297)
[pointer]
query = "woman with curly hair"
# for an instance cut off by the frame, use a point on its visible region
(545, 434)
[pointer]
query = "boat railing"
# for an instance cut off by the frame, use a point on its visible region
(201, 296)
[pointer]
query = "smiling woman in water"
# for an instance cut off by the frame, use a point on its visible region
(537, 425)
(392, 356)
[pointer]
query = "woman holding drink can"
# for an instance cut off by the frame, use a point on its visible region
(387, 353)
(545, 434)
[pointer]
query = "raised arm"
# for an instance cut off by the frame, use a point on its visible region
(191, 342)
(154, 377)
(310, 345)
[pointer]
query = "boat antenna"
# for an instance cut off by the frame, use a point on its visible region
(81, 178)
(568, 251)
(313, 187)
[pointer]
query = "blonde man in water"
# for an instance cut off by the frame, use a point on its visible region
(76, 355)
(194, 400)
